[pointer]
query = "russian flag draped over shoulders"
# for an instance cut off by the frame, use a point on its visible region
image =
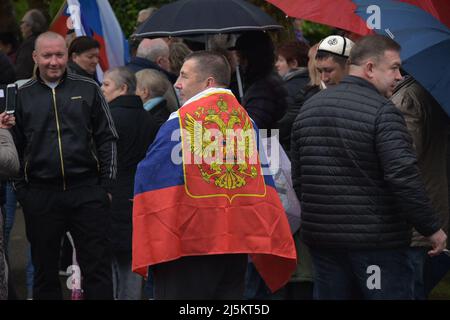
(96, 19)
(203, 192)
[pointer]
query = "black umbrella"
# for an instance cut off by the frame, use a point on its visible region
(194, 17)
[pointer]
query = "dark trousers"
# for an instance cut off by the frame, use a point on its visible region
(368, 274)
(84, 212)
(218, 277)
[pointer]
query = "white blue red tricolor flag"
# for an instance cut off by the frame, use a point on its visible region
(96, 19)
(213, 198)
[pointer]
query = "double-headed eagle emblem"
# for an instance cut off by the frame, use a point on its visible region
(221, 138)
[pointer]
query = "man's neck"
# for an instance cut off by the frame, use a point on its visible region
(207, 91)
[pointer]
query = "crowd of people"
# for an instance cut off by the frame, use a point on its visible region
(100, 167)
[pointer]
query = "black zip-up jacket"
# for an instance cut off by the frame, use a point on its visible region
(65, 136)
(355, 171)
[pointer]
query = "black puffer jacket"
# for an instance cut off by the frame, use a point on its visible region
(353, 166)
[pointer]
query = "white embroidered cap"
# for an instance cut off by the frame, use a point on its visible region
(338, 45)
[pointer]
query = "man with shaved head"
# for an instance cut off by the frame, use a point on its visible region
(66, 141)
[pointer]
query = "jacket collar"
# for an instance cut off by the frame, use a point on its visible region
(360, 82)
(127, 101)
(297, 73)
(75, 68)
(61, 80)
(145, 63)
(407, 80)
(154, 103)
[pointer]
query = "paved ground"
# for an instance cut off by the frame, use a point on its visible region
(18, 255)
(18, 258)
(18, 261)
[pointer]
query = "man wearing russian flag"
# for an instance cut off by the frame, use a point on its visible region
(202, 203)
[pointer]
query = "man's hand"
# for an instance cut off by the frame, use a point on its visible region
(109, 196)
(7, 121)
(438, 242)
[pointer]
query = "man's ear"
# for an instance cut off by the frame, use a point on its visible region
(123, 89)
(34, 56)
(161, 61)
(210, 82)
(369, 68)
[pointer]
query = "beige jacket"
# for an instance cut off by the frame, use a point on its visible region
(9, 161)
(428, 126)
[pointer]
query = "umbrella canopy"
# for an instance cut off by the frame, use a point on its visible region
(341, 13)
(191, 17)
(425, 44)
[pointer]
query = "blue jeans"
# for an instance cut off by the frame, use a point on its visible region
(148, 285)
(30, 274)
(417, 257)
(127, 285)
(10, 208)
(368, 274)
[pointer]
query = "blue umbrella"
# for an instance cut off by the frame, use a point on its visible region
(425, 43)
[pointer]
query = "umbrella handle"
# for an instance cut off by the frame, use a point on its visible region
(239, 80)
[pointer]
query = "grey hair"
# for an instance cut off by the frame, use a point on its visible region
(372, 46)
(123, 76)
(152, 49)
(36, 21)
(154, 81)
(147, 12)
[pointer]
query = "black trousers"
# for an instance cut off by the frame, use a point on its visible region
(84, 212)
(218, 277)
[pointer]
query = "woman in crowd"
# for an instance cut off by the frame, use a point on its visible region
(84, 56)
(136, 129)
(156, 93)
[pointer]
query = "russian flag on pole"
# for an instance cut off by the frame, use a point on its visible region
(201, 190)
(96, 19)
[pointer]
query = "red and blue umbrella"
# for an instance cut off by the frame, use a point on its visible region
(341, 13)
(424, 40)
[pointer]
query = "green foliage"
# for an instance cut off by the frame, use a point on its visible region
(127, 11)
(315, 32)
(53, 7)
(20, 6)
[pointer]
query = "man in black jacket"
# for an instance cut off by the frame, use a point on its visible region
(66, 141)
(355, 171)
